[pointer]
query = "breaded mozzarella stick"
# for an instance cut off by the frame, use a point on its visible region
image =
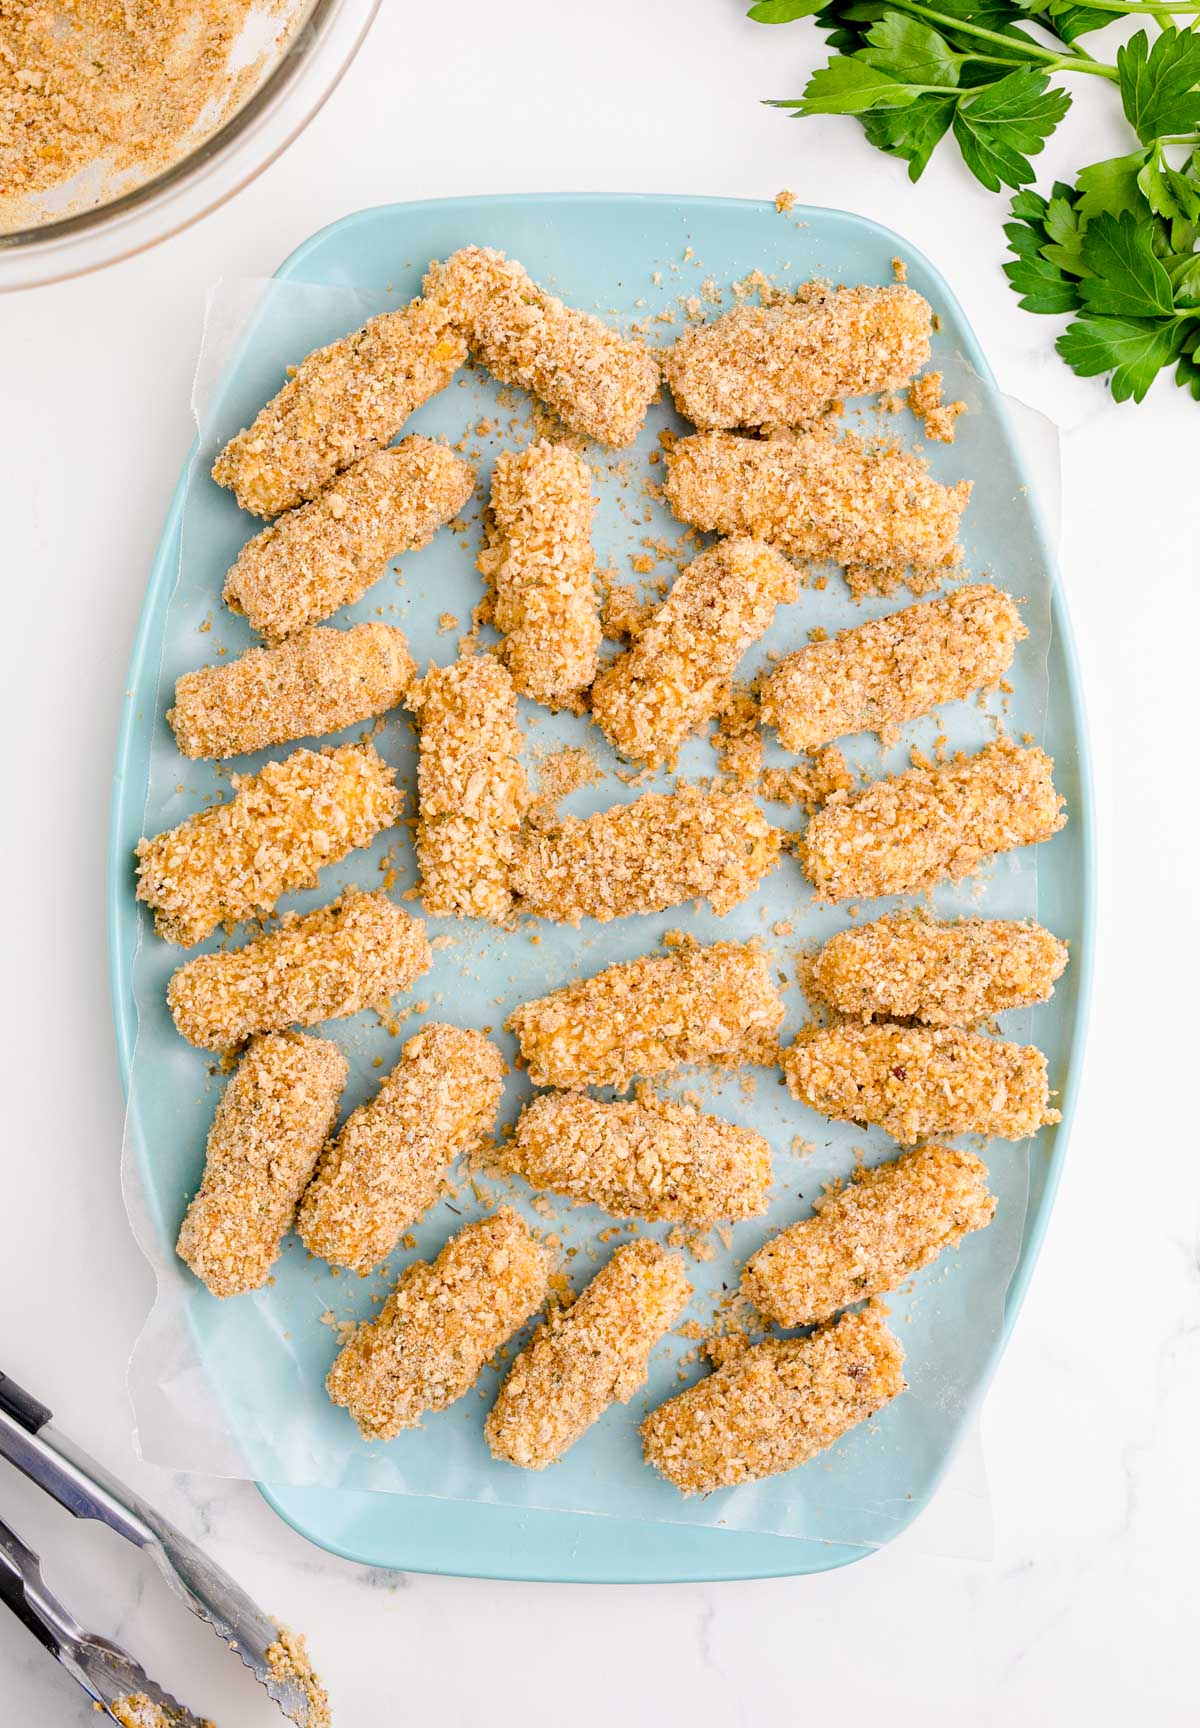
(387, 1165)
(584, 1358)
(343, 402)
(282, 826)
(676, 674)
(869, 1236)
(272, 1121)
(440, 1325)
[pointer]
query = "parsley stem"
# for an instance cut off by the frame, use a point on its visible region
(1026, 50)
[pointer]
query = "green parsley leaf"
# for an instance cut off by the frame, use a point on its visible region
(783, 11)
(1112, 185)
(1126, 280)
(851, 86)
(1158, 84)
(1168, 192)
(909, 50)
(1009, 121)
(1134, 353)
(911, 133)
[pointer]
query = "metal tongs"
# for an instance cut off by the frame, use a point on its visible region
(85, 1488)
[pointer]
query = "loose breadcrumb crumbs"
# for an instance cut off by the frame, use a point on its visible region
(387, 1166)
(907, 966)
(893, 669)
(651, 1015)
(139, 1710)
(440, 1325)
(925, 401)
(647, 1158)
(676, 675)
(867, 505)
(901, 835)
(327, 553)
(869, 1235)
(272, 1121)
(343, 402)
(825, 773)
(775, 1405)
(285, 823)
(584, 1358)
(917, 1081)
(288, 1662)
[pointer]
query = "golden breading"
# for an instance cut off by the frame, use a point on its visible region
(917, 1081)
(471, 788)
(597, 381)
(327, 553)
(538, 557)
(661, 850)
(272, 1121)
(343, 402)
(314, 683)
(870, 1235)
(645, 1159)
(676, 675)
(878, 675)
(900, 835)
(386, 1167)
(909, 967)
(775, 1405)
(871, 507)
(783, 364)
(353, 954)
(584, 1358)
(653, 1014)
(440, 1325)
(282, 826)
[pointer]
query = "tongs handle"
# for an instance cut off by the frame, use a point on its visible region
(22, 1406)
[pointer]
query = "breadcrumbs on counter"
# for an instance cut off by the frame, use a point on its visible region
(344, 401)
(870, 506)
(597, 381)
(316, 682)
(350, 955)
(925, 401)
(471, 788)
(893, 669)
(775, 1405)
(869, 1235)
(647, 1016)
(289, 1664)
(284, 824)
(676, 675)
(906, 966)
(328, 552)
(387, 1165)
(917, 1081)
(444, 1320)
(648, 1158)
(584, 1358)
(537, 555)
(901, 835)
(784, 363)
(659, 851)
(273, 1119)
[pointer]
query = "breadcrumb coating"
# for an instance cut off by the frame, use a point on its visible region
(584, 1358)
(316, 682)
(538, 557)
(783, 364)
(869, 506)
(659, 851)
(878, 675)
(289, 1662)
(918, 1081)
(386, 1167)
(901, 835)
(648, 1158)
(909, 967)
(870, 1235)
(653, 1014)
(440, 1325)
(471, 787)
(597, 381)
(775, 1405)
(139, 1710)
(676, 675)
(343, 402)
(272, 1121)
(327, 553)
(284, 823)
(352, 954)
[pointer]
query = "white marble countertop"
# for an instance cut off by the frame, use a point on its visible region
(1089, 1431)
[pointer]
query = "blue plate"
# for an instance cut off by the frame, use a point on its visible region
(371, 251)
